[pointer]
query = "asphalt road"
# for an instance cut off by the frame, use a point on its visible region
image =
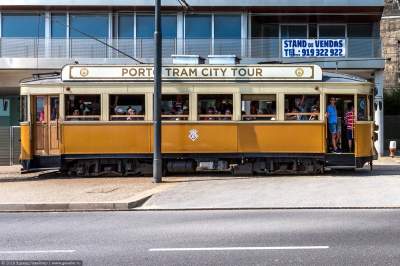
(256, 237)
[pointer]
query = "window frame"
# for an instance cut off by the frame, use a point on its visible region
(321, 117)
(144, 116)
(233, 115)
(64, 113)
(255, 120)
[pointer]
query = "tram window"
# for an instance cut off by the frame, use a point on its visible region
(40, 104)
(82, 107)
(371, 107)
(302, 107)
(127, 107)
(215, 106)
(175, 107)
(258, 107)
(362, 108)
(24, 108)
(54, 107)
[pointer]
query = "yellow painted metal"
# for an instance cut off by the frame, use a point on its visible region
(282, 138)
(363, 139)
(107, 138)
(26, 148)
(199, 138)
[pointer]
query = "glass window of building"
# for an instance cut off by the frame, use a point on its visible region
(82, 107)
(258, 107)
(294, 31)
(145, 26)
(359, 30)
(126, 26)
(215, 106)
(127, 107)
(302, 107)
(332, 31)
(362, 108)
(22, 25)
(95, 25)
(175, 106)
(198, 26)
(227, 26)
(58, 25)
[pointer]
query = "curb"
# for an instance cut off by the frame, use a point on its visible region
(121, 205)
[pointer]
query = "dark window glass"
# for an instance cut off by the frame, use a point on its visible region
(58, 25)
(22, 25)
(40, 110)
(175, 107)
(198, 26)
(82, 107)
(215, 107)
(362, 108)
(258, 107)
(302, 107)
(145, 26)
(332, 31)
(227, 26)
(294, 31)
(54, 108)
(127, 107)
(359, 30)
(126, 25)
(312, 31)
(95, 25)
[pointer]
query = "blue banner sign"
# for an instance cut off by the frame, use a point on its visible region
(313, 47)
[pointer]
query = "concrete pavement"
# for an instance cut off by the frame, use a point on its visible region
(339, 189)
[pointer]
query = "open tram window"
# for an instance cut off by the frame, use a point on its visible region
(215, 106)
(82, 107)
(24, 108)
(127, 107)
(362, 108)
(258, 107)
(175, 107)
(302, 107)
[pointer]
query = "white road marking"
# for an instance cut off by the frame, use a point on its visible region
(36, 251)
(239, 248)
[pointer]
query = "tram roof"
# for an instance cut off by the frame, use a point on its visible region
(326, 77)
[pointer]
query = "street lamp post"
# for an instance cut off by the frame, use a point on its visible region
(157, 156)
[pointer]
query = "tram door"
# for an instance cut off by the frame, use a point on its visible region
(342, 104)
(46, 125)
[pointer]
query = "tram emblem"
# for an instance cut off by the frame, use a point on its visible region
(193, 134)
(84, 72)
(299, 72)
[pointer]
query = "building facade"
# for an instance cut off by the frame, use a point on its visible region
(42, 36)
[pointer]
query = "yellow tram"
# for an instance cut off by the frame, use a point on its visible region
(249, 119)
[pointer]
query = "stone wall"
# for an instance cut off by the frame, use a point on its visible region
(390, 34)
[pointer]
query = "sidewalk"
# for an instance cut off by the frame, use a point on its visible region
(55, 193)
(344, 189)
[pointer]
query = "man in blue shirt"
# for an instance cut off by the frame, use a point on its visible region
(331, 114)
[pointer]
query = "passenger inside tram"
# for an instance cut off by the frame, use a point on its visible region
(258, 107)
(82, 107)
(215, 107)
(127, 107)
(302, 107)
(175, 107)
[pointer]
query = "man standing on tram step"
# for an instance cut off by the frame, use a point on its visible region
(331, 114)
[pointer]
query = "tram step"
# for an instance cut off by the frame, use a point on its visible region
(340, 159)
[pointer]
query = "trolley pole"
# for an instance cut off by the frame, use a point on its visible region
(157, 156)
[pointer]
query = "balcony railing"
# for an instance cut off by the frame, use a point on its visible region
(267, 48)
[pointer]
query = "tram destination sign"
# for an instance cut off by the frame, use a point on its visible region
(313, 47)
(192, 73)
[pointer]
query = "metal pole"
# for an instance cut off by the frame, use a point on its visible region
(157, 157)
